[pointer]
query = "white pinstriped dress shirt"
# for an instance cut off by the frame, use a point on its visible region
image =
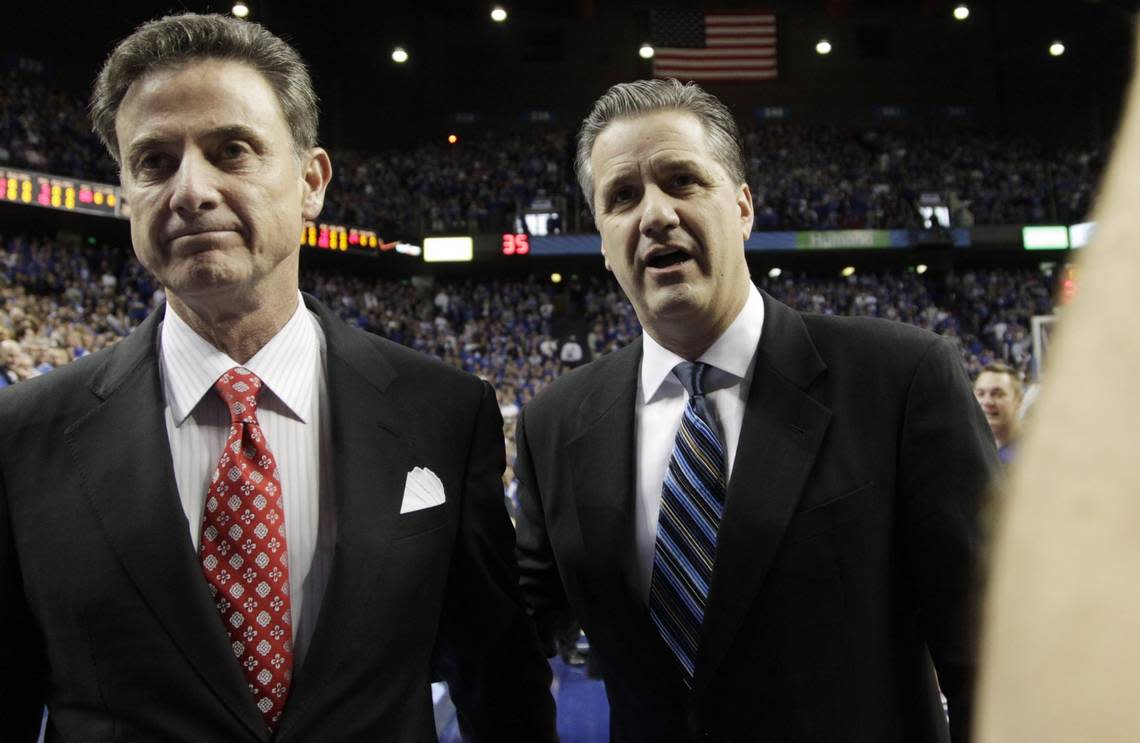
(293, 413)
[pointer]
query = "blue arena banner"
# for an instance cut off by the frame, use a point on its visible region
(591, 244)
(890, 112)
(540, 116)
(772, 113)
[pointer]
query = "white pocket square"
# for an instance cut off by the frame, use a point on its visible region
(422, 489)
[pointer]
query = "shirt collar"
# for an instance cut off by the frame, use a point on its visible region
(731, 353)
(286, 364)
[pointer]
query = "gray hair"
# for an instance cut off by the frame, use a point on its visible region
(179, 39)
(628, 100)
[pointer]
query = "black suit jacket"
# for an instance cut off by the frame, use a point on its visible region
(846, 556)
(107, 618)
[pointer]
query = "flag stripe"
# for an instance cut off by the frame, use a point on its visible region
(728, 75)
(743, 32)
(704, 64)
(751, 53)
(750, 42)
(714, 17)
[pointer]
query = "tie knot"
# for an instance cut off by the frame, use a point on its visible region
(239, 388)
(692, 374)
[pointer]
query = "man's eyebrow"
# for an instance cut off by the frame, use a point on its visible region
(672, 162)
(614, 178)
(142, 144)
(235, 131)
(232, 131)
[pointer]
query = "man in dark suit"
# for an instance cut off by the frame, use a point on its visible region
(247, 521)
(764, 521)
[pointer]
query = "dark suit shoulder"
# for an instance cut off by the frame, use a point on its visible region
(62, 393)
(869, 341)
(424, 388)
(569, 390)
(427, 369)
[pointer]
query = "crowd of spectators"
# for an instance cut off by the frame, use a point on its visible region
(60, 301)
(824, 177)
(477, 185)
(47, 130)
(802, 176)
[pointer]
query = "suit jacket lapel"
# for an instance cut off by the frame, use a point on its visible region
(135, 499)
(604, 489)
(602, 454)
(370, 459)
(780, 437)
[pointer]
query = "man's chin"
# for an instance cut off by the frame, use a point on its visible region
(205, 281)
(673, 303)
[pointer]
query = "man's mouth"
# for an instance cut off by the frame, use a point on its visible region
(668, 259)
(200, 240)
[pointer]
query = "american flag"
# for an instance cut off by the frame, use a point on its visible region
(693, 45)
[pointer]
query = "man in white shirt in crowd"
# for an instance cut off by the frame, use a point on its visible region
(998, 390)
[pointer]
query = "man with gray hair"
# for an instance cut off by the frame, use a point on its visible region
(765, 521)
(247, 521)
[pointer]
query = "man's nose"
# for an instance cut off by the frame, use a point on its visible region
(658, 215)
(194, 186)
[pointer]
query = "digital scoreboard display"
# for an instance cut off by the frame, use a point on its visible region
(516, 243)
(59, 192)
(18, 186)
(337, 237)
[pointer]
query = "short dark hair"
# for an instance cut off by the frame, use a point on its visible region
(178, 39)
(627, 100)
(999, 367)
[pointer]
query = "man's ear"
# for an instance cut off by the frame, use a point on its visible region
(316, 172)
(606, 259)
(747, 213)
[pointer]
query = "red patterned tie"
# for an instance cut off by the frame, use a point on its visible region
(243, 550)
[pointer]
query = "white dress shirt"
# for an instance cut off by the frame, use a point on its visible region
(661, 403)
(293, 413)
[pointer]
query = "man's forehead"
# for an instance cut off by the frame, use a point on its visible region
(665, 121)
(197, 76)
(664, 138)
(994, 379)
(232, 94)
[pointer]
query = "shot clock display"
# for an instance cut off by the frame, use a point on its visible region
(58, 192)
(516, 243)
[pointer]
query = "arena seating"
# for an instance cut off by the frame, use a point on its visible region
(801, 176)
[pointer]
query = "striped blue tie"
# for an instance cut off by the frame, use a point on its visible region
(692, 504)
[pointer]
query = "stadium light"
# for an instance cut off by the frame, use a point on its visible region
(774, 273)
(498, 14)
(1056, 49)
(452, 139)
(556, 278)
(823, 47)
(961, 12)
(920, 268)
(646, 51)
(399, 56)
(240, 9)
(847, 272)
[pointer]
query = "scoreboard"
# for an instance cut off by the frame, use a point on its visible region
(31, 188)
(58, 192)
(337, 237)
